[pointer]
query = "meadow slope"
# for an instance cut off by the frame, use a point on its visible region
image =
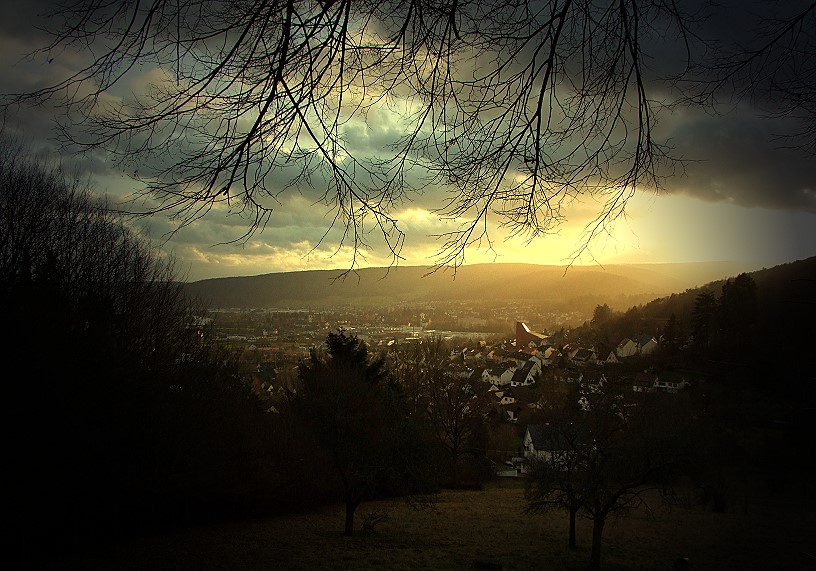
(472, 530)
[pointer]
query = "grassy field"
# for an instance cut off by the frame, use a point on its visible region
(472, 530)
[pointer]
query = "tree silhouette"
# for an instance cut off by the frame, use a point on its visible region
(123, 410)
(738, 310)
(517, 109)
(600, 315)
(355, 413)
(672, 338)
(726, 321)
(705, 319)
(454, 406)
(557, 480)
(606, 455)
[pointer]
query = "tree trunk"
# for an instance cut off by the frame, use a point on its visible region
(351, 507)
(455, 467)
(597, 533)
(573, 543)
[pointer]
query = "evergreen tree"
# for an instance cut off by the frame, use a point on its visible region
(738, 310)
(355, 413)
(705, 319)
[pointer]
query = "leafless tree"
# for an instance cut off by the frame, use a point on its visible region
(556, 482)
(518, 109)
(454, 406)
(771, 64)
(606, 455)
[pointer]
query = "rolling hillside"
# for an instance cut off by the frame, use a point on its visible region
(478, 282)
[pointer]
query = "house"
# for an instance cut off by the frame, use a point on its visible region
(512, 468)
(563, 375)
(670, 386)
(583, 357)
(671, 382)
(646, 344)
(570, 349)
(626, 348)
(522, 358)
(502, 413)
(477, 374)
(593, 380)
(644, 382)
(473, 356)
(541, 441)
(535, 441)
(611, 359)
(524, 396)
(527, 338)
(524, 376)
(640, 345)
(505, 397)
(537, 361)
(550, 355)
(500, 354)
(498, 375)
(512, 411)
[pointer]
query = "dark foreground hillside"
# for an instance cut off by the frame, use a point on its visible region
(476, 530)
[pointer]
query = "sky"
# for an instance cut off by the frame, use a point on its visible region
(745, 194)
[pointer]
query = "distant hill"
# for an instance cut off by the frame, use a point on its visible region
(478, 282)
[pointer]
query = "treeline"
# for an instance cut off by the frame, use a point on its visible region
(752, 329)
(120, 410)
(123, 414)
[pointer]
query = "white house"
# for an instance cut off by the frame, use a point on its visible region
(626, 348)
(505, 397)
(535, 438)
(498, 375)
(541, 441)
(641, 345)
(524, 376)
(670, 386)
(550, 355)
(647, 344)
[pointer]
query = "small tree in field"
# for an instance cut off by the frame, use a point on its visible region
(355, 413)
(609, 455)
(555, 481)
(454, 407)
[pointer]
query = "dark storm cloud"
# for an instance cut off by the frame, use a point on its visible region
(26, 20)
(739, 146)
(733, 157)
(739, 158)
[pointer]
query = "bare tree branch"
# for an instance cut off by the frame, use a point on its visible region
(516, 110)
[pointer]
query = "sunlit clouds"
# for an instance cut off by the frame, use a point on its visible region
(740, 190)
